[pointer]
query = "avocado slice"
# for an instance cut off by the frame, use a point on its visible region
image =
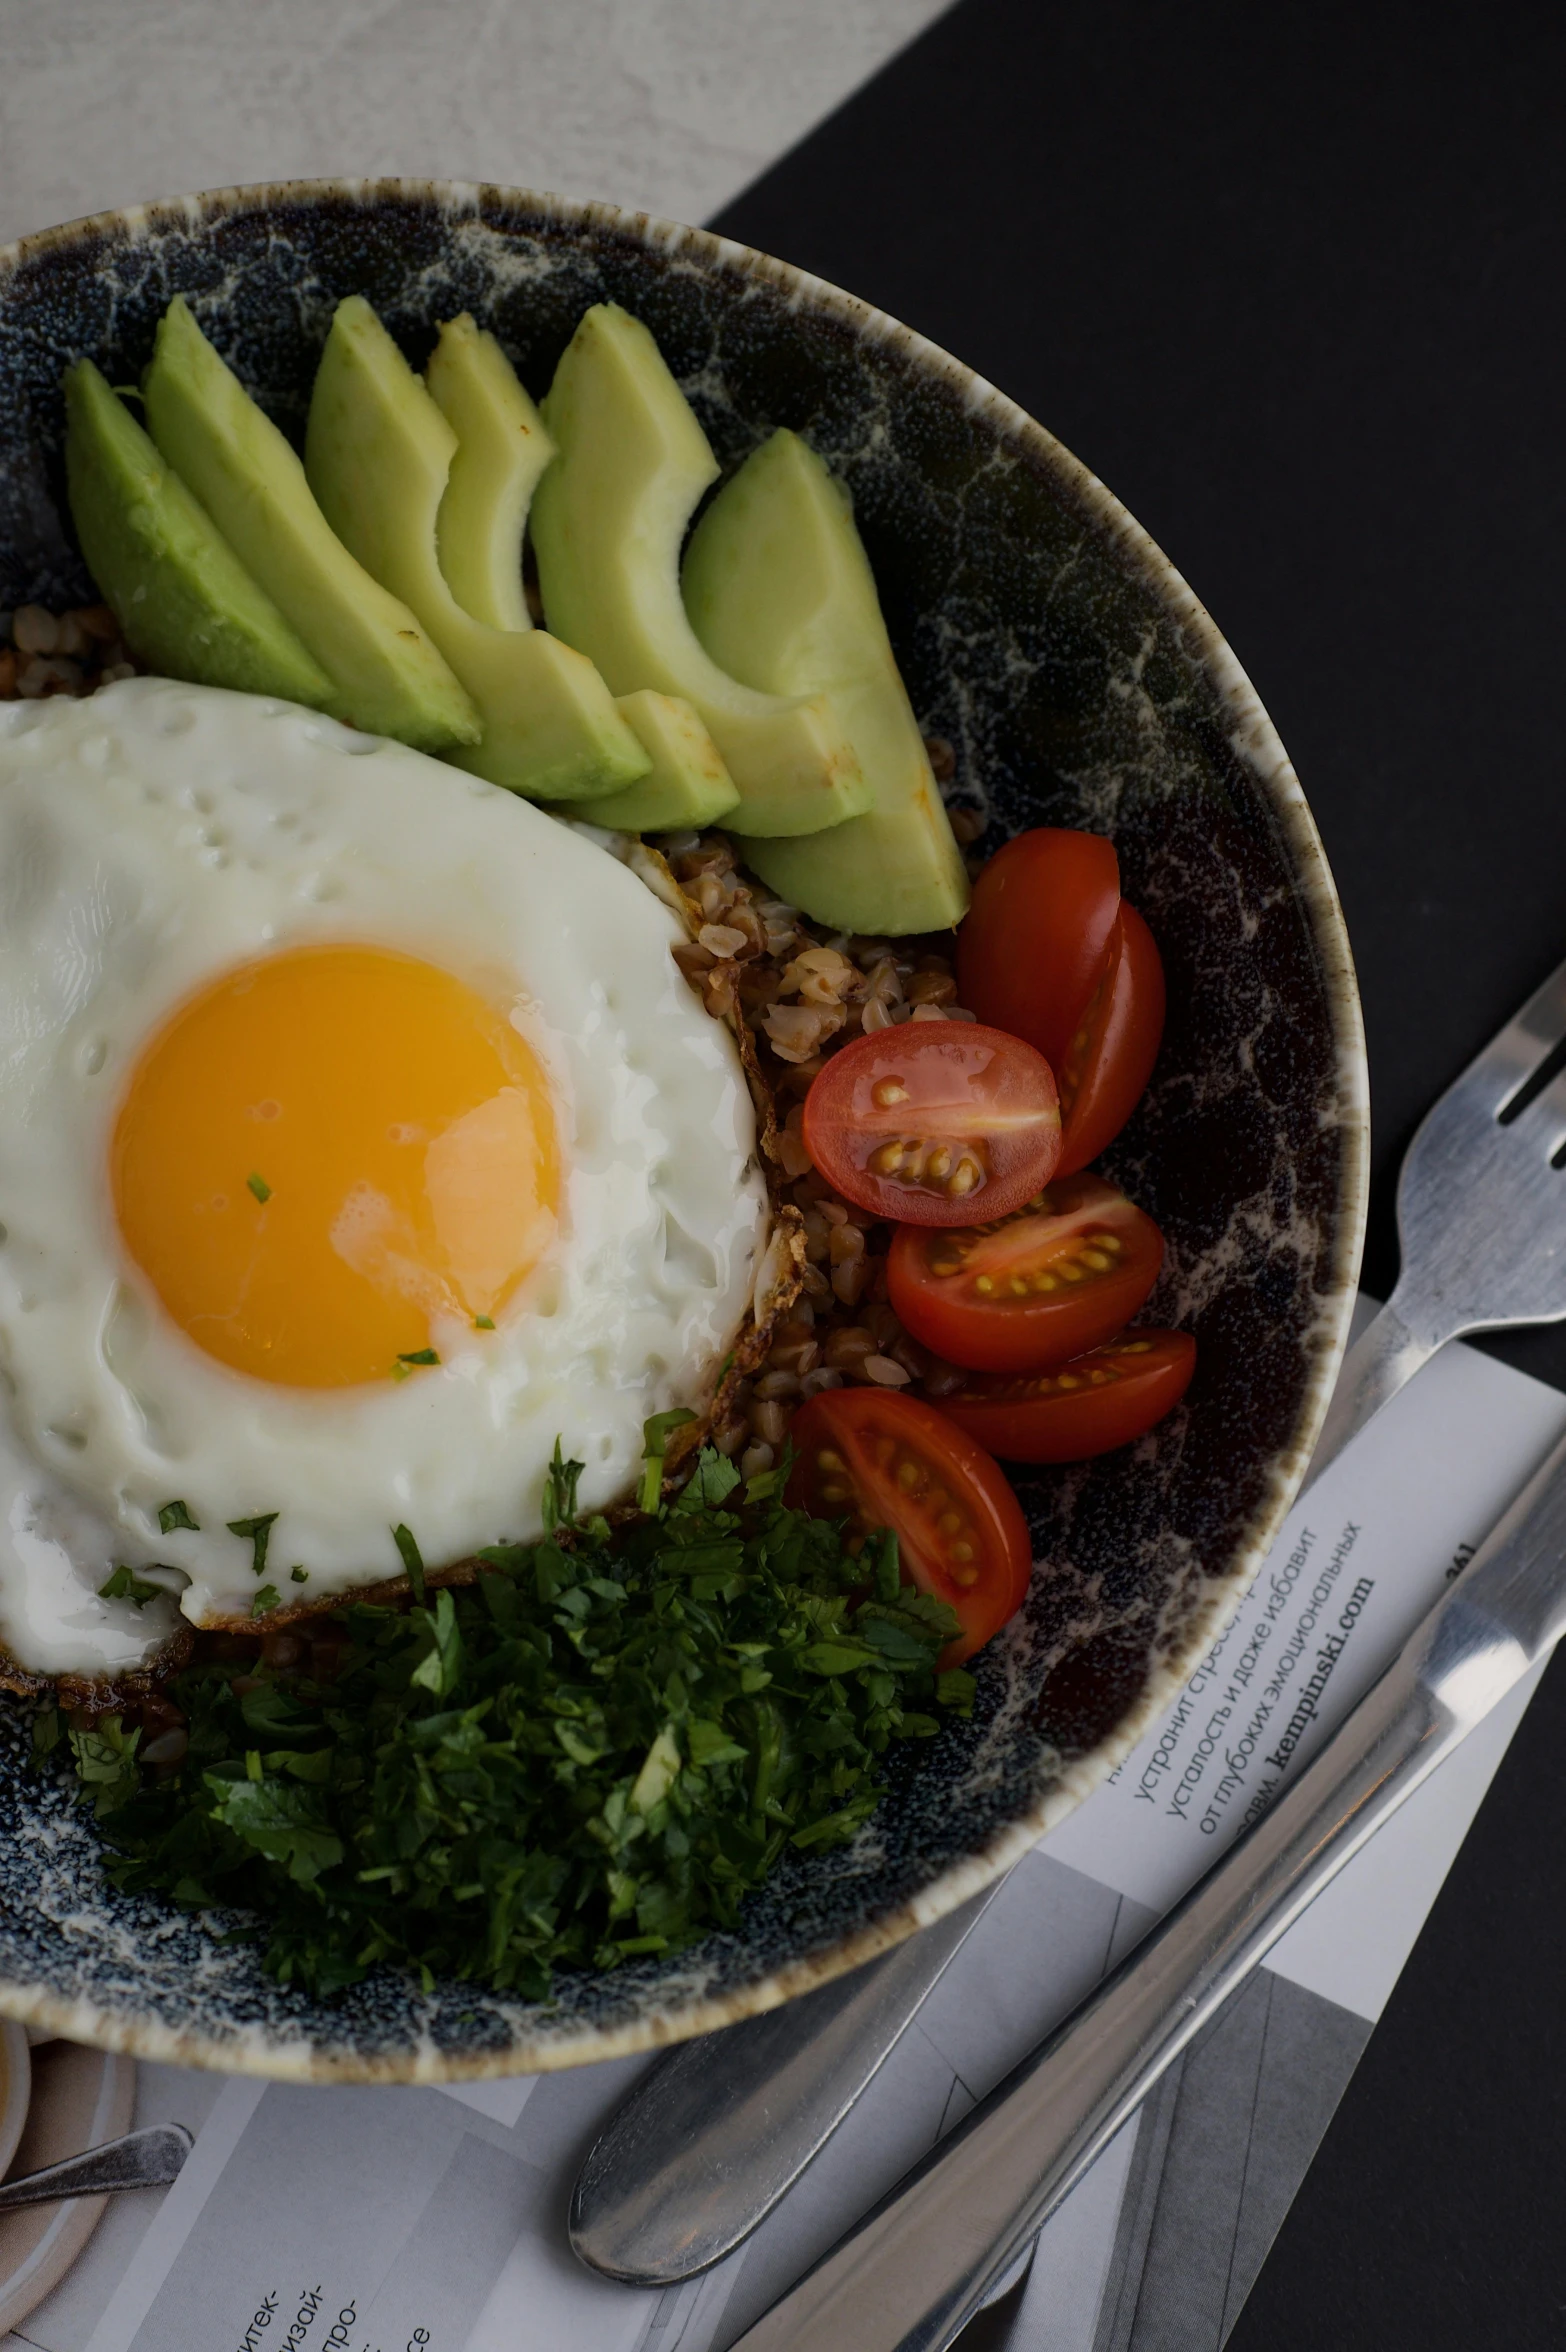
(780, 591)
(608, 519)
(687, 783)
(185, 603)
(386, 675)
(378, 454)
(502, 448)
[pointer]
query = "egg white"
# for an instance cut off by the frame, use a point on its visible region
(153, 837)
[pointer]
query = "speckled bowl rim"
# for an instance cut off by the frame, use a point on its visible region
(1254, 741)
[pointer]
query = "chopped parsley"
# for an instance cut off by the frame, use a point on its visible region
(419, 1356)
(175, 1515)
(299, 1575)
(595, 1751)
(126, 1585)
(259, 1186)
(412, 1560)
(259, 1530)
(483, 1322)
(655, 1440)
(266, 1599)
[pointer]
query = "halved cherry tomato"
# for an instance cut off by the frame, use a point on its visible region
(1089, 1406)
(884, 1460)
(1036, 939)
(1111, 1055)
(1030, 1291)
(933, 1121)
(1051, 952)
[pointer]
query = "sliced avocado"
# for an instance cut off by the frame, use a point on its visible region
(779, 590)
(687, 784)
(386, 675)
(502, 448)
(184, 601)
(378, 453)
(608, 519)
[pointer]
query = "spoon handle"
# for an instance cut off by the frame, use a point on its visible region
(145, 2159)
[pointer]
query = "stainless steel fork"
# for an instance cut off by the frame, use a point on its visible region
(715, 2132)
(1481, 1215)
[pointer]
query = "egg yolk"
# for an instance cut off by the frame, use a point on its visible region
(327, 1156)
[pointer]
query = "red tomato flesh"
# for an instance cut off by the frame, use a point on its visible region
(1029, 1291)
(934, 1120)
(1105, 1069)
(1051, 952)
(1089, 1406)
(1035, 942)
(883, 1460)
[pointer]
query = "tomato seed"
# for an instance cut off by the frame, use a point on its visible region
(888, 1159)
(948, 1523)
(983, 1285)
(889, 1092)
(962, 1551)
(964, 1177)
(908, 1475)
(939, 1164)
(1068, 1380)
(1097, 1260)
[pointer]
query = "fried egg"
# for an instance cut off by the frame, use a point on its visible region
(358, 1138)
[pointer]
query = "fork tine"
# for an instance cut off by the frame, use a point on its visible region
(1544, 1121)
(1513, 1054)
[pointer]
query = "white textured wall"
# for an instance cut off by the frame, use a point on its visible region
(672, 105)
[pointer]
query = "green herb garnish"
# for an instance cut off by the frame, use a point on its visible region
(419, 1356)
(412, 1560)
(259, 1186)
(259, 1531)
(483, 1322)
(174, 1515)
(126, 1585)
(595, 1751)
(299, 1575)
(267, 1598)
(655, 1443)
(105, 1760)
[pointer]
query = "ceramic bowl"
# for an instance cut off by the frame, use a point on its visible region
(1081, 683)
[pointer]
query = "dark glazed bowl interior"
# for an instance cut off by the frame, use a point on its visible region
(1081, 684)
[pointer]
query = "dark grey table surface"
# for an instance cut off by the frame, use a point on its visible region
(1292, 280)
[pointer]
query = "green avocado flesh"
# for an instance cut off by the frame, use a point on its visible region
(386, 675)
(183, 599)
(608, 520)
(502, 448)
(780, 592)
(687, 783)
(378, 455)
